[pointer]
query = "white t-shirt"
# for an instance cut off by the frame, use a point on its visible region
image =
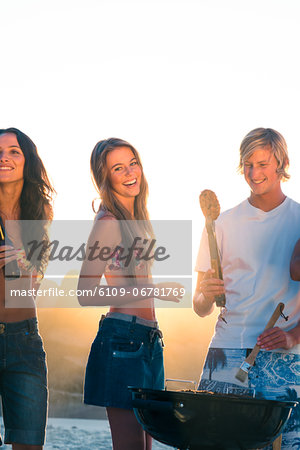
(255, 253)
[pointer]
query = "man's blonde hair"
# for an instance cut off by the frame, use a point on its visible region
(262, 137)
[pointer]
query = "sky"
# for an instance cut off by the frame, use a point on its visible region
(183, 81)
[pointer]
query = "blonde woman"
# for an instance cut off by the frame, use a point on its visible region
(127, 350)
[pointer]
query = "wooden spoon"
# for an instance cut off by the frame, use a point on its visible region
(211, 210)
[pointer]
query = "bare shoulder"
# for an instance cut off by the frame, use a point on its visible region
(106, 228)
(105, 215)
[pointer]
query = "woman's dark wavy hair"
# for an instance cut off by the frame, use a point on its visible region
(37, 193)
(109, 201)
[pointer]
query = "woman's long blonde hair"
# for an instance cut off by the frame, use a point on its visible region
(109, 201)
(101, 181)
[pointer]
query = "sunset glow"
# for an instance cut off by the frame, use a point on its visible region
(183, 81)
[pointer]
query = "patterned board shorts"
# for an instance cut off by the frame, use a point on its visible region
(275, 376)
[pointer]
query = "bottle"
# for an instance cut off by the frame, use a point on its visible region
(11, 270)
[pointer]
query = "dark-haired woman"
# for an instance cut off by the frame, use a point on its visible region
(127, 350)
(25, 194)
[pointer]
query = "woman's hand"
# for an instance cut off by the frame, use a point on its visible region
(18, 291)
(7, 254)
(169, 291)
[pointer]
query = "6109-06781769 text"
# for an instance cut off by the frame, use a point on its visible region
(107, 291)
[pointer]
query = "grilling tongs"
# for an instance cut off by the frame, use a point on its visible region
(211, 210)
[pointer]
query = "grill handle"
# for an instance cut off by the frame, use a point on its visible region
(152, 404)
(194, 383)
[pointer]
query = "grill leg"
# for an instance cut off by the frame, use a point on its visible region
(277, 443)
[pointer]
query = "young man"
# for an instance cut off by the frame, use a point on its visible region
(256, 241)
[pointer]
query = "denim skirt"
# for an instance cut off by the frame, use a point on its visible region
(127, 351)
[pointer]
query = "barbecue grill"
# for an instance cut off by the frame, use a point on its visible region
(205, 420)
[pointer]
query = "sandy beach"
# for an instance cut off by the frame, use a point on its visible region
(79, 434)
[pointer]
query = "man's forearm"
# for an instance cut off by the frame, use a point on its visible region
(295, 335)
(295, 269)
